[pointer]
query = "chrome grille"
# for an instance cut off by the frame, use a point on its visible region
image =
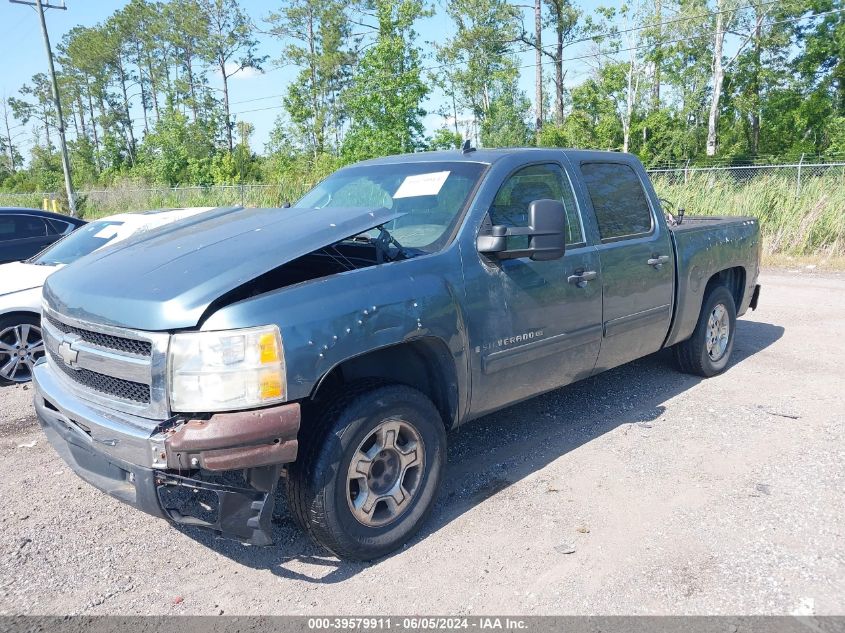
(108, 385)
(107, 341)
(119, 368)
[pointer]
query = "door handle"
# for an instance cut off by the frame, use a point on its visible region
(582, 277)
(658, 260)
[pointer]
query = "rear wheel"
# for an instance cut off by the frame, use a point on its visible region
(21, 345)
(708, 351)
(369, 470)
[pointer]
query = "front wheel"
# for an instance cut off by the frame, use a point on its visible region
(369, 470)
(708, 351)
(21, 345)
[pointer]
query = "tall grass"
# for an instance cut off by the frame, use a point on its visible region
(128, 197)
(809, 221)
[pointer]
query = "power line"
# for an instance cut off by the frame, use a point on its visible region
(589, 38)
(257, 99)
(592, 55)
(643, 27)
(40, 7)
(568, 59)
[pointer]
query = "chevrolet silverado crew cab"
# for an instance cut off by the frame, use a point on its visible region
(330, 346)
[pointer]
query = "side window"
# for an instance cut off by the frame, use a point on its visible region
(30, 226)
(536, 182)
(8, 228)
(59, 227)
(618, 199)
(19, 227)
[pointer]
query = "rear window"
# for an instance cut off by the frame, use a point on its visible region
(618, 199)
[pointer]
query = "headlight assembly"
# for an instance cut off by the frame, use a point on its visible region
(226, 370)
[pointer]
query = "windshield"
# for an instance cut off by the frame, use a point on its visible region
(431, 195)
(82, 241)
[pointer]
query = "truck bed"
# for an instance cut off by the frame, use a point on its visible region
(705, 245)
(693, 222)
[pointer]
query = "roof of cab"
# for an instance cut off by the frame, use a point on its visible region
(488, 156)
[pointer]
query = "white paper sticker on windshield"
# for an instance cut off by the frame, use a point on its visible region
(107, 232)
(422, 185)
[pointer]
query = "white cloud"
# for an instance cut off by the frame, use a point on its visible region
(246, 73)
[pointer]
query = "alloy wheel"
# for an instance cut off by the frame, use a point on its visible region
(20, 347)
(718, 332)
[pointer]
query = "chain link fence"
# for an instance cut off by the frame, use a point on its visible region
(122, 198)
(743, 175)
(801, 205)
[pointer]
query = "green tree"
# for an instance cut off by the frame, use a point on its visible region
(384, 100)
(505, 123)
(37, 105)
(444, 138)
(186, 27)
(175, 148)
(480, 67)
(822, 61)
(317, 34)
(229, 44)
(10, 157)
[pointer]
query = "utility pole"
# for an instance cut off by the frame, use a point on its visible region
(40, 7)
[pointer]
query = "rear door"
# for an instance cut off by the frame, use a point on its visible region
(637, 262)
(534, 325)
(22, 236)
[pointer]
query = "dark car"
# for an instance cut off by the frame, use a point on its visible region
(25, 232)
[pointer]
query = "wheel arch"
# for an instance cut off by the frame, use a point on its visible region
(733, 279)
(424, 363)
(16, 312)
(691, 292)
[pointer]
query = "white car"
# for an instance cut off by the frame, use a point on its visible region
(20, 283)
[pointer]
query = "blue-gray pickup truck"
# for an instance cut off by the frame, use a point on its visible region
(329, 347)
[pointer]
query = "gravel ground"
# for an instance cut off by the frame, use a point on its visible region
(669, 493)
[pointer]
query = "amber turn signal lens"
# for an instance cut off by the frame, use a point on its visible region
(271, 386)
(269, 349)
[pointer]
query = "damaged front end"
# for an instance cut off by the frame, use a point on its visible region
(218, 473)
(240, 509)
(235, 460)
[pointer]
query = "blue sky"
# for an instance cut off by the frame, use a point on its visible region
(254, 97)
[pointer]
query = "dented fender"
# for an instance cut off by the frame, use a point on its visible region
(330, 320)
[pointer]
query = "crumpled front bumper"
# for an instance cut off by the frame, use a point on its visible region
(140, 462)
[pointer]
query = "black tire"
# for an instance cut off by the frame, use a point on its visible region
(8, 324)
(693, 356)
(318, 487)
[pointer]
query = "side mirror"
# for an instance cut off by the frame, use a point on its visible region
(546, 233)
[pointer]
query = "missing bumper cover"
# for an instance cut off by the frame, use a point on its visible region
(243, 513)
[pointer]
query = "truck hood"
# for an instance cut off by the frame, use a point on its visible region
(18, 276)
(166, 279)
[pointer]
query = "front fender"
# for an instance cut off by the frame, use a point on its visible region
(28, 300)
(327, 321)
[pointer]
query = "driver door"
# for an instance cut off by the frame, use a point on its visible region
(533, 325)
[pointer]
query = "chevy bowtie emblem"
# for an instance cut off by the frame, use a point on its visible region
(68, 354)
